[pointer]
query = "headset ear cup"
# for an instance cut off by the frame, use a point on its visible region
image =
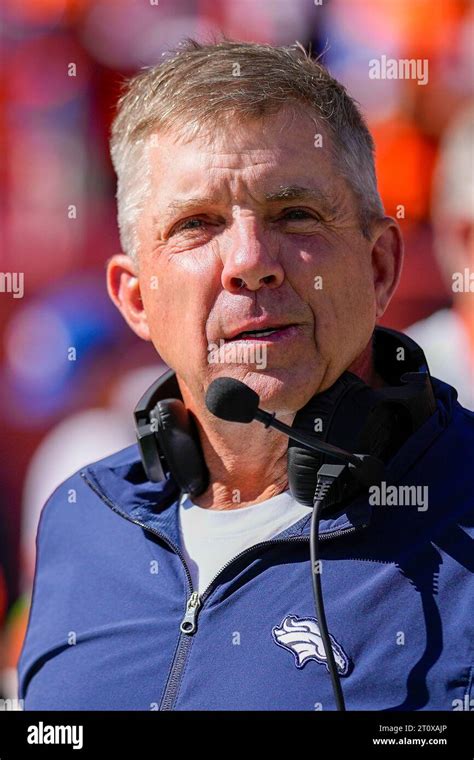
(303, 464)
(178, 442)
(386, 427)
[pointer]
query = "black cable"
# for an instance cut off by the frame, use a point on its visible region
(327, 475)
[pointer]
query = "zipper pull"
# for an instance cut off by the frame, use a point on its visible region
(188, 623)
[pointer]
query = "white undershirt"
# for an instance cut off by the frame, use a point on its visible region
(211, 537)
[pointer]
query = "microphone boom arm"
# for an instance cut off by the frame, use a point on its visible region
(269, 420)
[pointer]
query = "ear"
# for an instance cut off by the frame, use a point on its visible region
(387, 261)
(124, 290)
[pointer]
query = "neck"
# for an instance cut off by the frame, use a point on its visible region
(247, 463)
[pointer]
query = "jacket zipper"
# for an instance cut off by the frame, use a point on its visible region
(323, 537)
(195, 602)
(188, 623)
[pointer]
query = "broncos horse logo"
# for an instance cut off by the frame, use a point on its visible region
(302, 637)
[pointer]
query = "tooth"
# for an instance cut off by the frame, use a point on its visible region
(256, 333)
(263, 333)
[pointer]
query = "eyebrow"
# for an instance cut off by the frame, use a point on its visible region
(301, 193)
(189, 203)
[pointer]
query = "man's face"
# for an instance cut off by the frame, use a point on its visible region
(247, 229)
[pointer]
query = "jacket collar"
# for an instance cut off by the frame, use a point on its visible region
(119, 480)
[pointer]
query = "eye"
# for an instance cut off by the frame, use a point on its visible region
(296, 214)
(193, 223)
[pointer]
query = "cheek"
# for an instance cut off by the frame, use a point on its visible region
(339, 290)
(353, 296)
(347, 283)
(177, 302)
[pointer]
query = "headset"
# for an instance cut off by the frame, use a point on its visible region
(348, 417)
(349, 414)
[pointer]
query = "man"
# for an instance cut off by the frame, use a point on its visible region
(249, 217)
(447, 336)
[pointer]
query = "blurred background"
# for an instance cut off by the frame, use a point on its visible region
(70, 370)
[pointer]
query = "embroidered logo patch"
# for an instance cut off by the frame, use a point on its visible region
(302, 637)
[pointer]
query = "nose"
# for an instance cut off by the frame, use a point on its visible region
(248, 262)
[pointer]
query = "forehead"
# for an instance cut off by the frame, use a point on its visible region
(283, 146)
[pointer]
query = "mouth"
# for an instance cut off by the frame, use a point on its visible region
(269, 334)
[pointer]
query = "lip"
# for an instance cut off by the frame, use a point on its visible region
(257, 324)
(283, 332)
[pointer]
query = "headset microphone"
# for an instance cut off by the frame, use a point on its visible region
(233, 401)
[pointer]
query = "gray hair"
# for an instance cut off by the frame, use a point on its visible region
(202, 84)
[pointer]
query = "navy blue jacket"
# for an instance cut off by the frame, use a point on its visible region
(112, 588)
